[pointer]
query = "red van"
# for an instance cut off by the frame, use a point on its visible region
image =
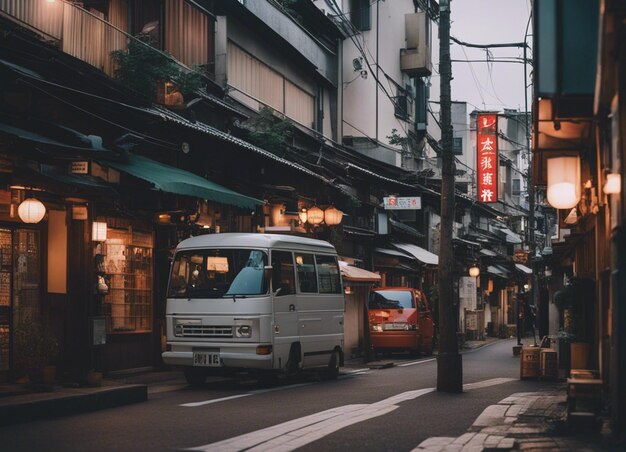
(400, 319)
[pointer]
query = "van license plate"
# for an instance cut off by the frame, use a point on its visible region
(206, 359)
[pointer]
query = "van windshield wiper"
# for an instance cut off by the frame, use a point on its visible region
(235, 296)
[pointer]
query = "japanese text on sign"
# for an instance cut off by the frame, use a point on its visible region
(402, 203)
(487, 157)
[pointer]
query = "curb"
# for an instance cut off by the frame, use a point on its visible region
(101, 399)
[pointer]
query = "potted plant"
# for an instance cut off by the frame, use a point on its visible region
(36, 348)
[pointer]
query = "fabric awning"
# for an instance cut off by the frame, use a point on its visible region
(406, 229)
(497, 270)
(351, 273)
(422, 255)
(175, 180)
(509, 236)
(524, 269)
(392, 252)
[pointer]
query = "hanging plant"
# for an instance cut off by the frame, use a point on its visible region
(141, 68)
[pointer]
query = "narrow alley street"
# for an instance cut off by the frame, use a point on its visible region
(394, 408)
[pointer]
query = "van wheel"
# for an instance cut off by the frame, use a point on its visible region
(194, 377)
(332, 372)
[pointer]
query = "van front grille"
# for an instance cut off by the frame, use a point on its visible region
(211, 331)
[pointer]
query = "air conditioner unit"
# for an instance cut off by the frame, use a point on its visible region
(415, 60)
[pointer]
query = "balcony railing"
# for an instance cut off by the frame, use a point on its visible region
(87, 36)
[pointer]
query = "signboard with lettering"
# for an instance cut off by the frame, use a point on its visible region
(520, 256)
(402, 202)
(487, 161)
(471, 320)
(81, 167)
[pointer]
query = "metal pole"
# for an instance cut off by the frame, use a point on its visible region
(534, 289)
(449, 363)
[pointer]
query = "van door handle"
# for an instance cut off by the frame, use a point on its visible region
(292, 308)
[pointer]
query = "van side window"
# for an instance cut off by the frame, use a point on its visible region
(283, 273)
(328, 270)
(307, 278)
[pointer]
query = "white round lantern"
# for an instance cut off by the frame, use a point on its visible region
(315, 215)
(303, 215)
(31, 210)
(564, 182)
(474, 271)
(333, 216)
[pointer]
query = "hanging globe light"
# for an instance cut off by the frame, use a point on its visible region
(315, 215)
(31, 210)
(333, 216)
(474, 271)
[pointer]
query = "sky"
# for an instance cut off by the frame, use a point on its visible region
(486, 86)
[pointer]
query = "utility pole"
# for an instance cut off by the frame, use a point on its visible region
(449, 363)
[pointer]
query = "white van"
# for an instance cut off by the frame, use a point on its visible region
(266, 303)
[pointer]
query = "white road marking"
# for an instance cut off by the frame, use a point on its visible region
(261, 391)
(357, 371)
(208, 402)
(485, 383)
(412, 363)
(300, 432)
(238, 396)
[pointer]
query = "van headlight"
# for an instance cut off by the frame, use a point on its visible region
(243, 331)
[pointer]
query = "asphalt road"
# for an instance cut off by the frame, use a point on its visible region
(365, 410)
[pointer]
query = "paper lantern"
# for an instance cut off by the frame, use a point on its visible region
(315, 215)
(302, 215)
(613, 184)
(564, 182)
(474, 271)
(333, 216)
(99, 231)
(31, 210)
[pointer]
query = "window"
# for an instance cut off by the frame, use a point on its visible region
(128, 266)
(330, 282)
(188, 33)
(283, 273)
(401, 107)
(218, 274)
(457, 145)
(307, 278)
(516, 187)
(255, 81)
(360, 14)
(391, 299)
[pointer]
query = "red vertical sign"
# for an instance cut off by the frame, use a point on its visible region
(487, 157)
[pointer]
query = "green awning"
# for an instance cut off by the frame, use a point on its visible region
(174, 180)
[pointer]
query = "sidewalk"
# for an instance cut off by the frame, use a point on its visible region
(524, 421)
(24, 403)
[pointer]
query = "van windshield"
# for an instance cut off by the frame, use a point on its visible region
(391, 299)
(218, 273)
